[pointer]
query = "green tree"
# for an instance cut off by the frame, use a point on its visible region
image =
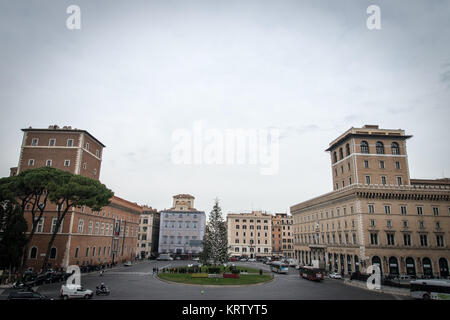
(68, 191)
(12, 235)
(27, 192)
(215, 240)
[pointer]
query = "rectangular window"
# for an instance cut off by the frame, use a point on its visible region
(354, 238)
(40, 225)
(403, 210)
(407, 239)
(390, 239)
(389, 223)
(397, 165)
(80, 225)
(367, 179)
(34, 142)
(366, 164)
(387, 209)
(399, 181)
(371, 208)
(66, 163)
(97, 227)
(439, 240)
(381, 164)
(87, 146)
(97, 153)
(423, 240)
(405, 224)
(374, 238)
(52, 142)
(31, 162)
(420, 211)
(48, 163)
(70, 142)
(435, 211)
(372, 223)
(383, 180)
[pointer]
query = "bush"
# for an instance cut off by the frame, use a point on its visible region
(213, 270)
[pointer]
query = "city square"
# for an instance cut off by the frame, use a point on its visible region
(138, 282)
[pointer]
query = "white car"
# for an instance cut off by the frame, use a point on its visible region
(251, 260)
(335, 275)
(128, 264)
(70, 291)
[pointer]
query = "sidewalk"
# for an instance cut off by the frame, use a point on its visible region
(106, 270)
(383, 289)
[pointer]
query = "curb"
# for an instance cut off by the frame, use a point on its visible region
(384, 289)
(212, 285)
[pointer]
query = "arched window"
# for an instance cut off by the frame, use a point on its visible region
(341, 154)
(393, 266)
(33, 253)
(443, 267)
(410, 267)
(380, 147)
(364, 147)
(395, 148)
(427, 267)
(356, 263)
(377, 261)
(347, 149)
(53, 253)
(335, 156)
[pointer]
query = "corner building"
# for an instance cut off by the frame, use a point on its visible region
(85, 237)
(249, 234)
(376, 214)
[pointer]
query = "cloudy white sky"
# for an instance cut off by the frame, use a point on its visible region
(137, 71)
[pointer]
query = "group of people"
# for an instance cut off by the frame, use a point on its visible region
(155, 270)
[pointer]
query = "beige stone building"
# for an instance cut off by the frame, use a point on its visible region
(282, 235)
(249, 234)
(148, 226)
(376, 213)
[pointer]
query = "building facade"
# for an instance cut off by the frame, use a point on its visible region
(376, 214)
(282, 235)
(148, 225)
(182, 228)
(85, 237)
(249, 234)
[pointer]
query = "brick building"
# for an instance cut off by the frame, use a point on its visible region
(376, 214)
(85, 237)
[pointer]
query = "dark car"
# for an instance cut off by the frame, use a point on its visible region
(27, 295)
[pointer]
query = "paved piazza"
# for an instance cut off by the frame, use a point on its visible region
(138, 283)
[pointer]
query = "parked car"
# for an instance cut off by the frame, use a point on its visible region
(251, 260)
(335, 275)
(27, 294)
(196, 259)
(177, 258)
(267, 261)
(75, 291)
(243, 259)
(292, 262)
(128, 264)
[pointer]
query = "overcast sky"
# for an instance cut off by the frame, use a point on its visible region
(137, 71)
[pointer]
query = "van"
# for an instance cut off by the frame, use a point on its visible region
(75, 291)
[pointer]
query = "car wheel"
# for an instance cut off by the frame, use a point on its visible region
(426, 296)
(66, 297)
(87, 296)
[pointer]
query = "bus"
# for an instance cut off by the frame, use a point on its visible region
(279, 267)
(311, 273)
(436, 289)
